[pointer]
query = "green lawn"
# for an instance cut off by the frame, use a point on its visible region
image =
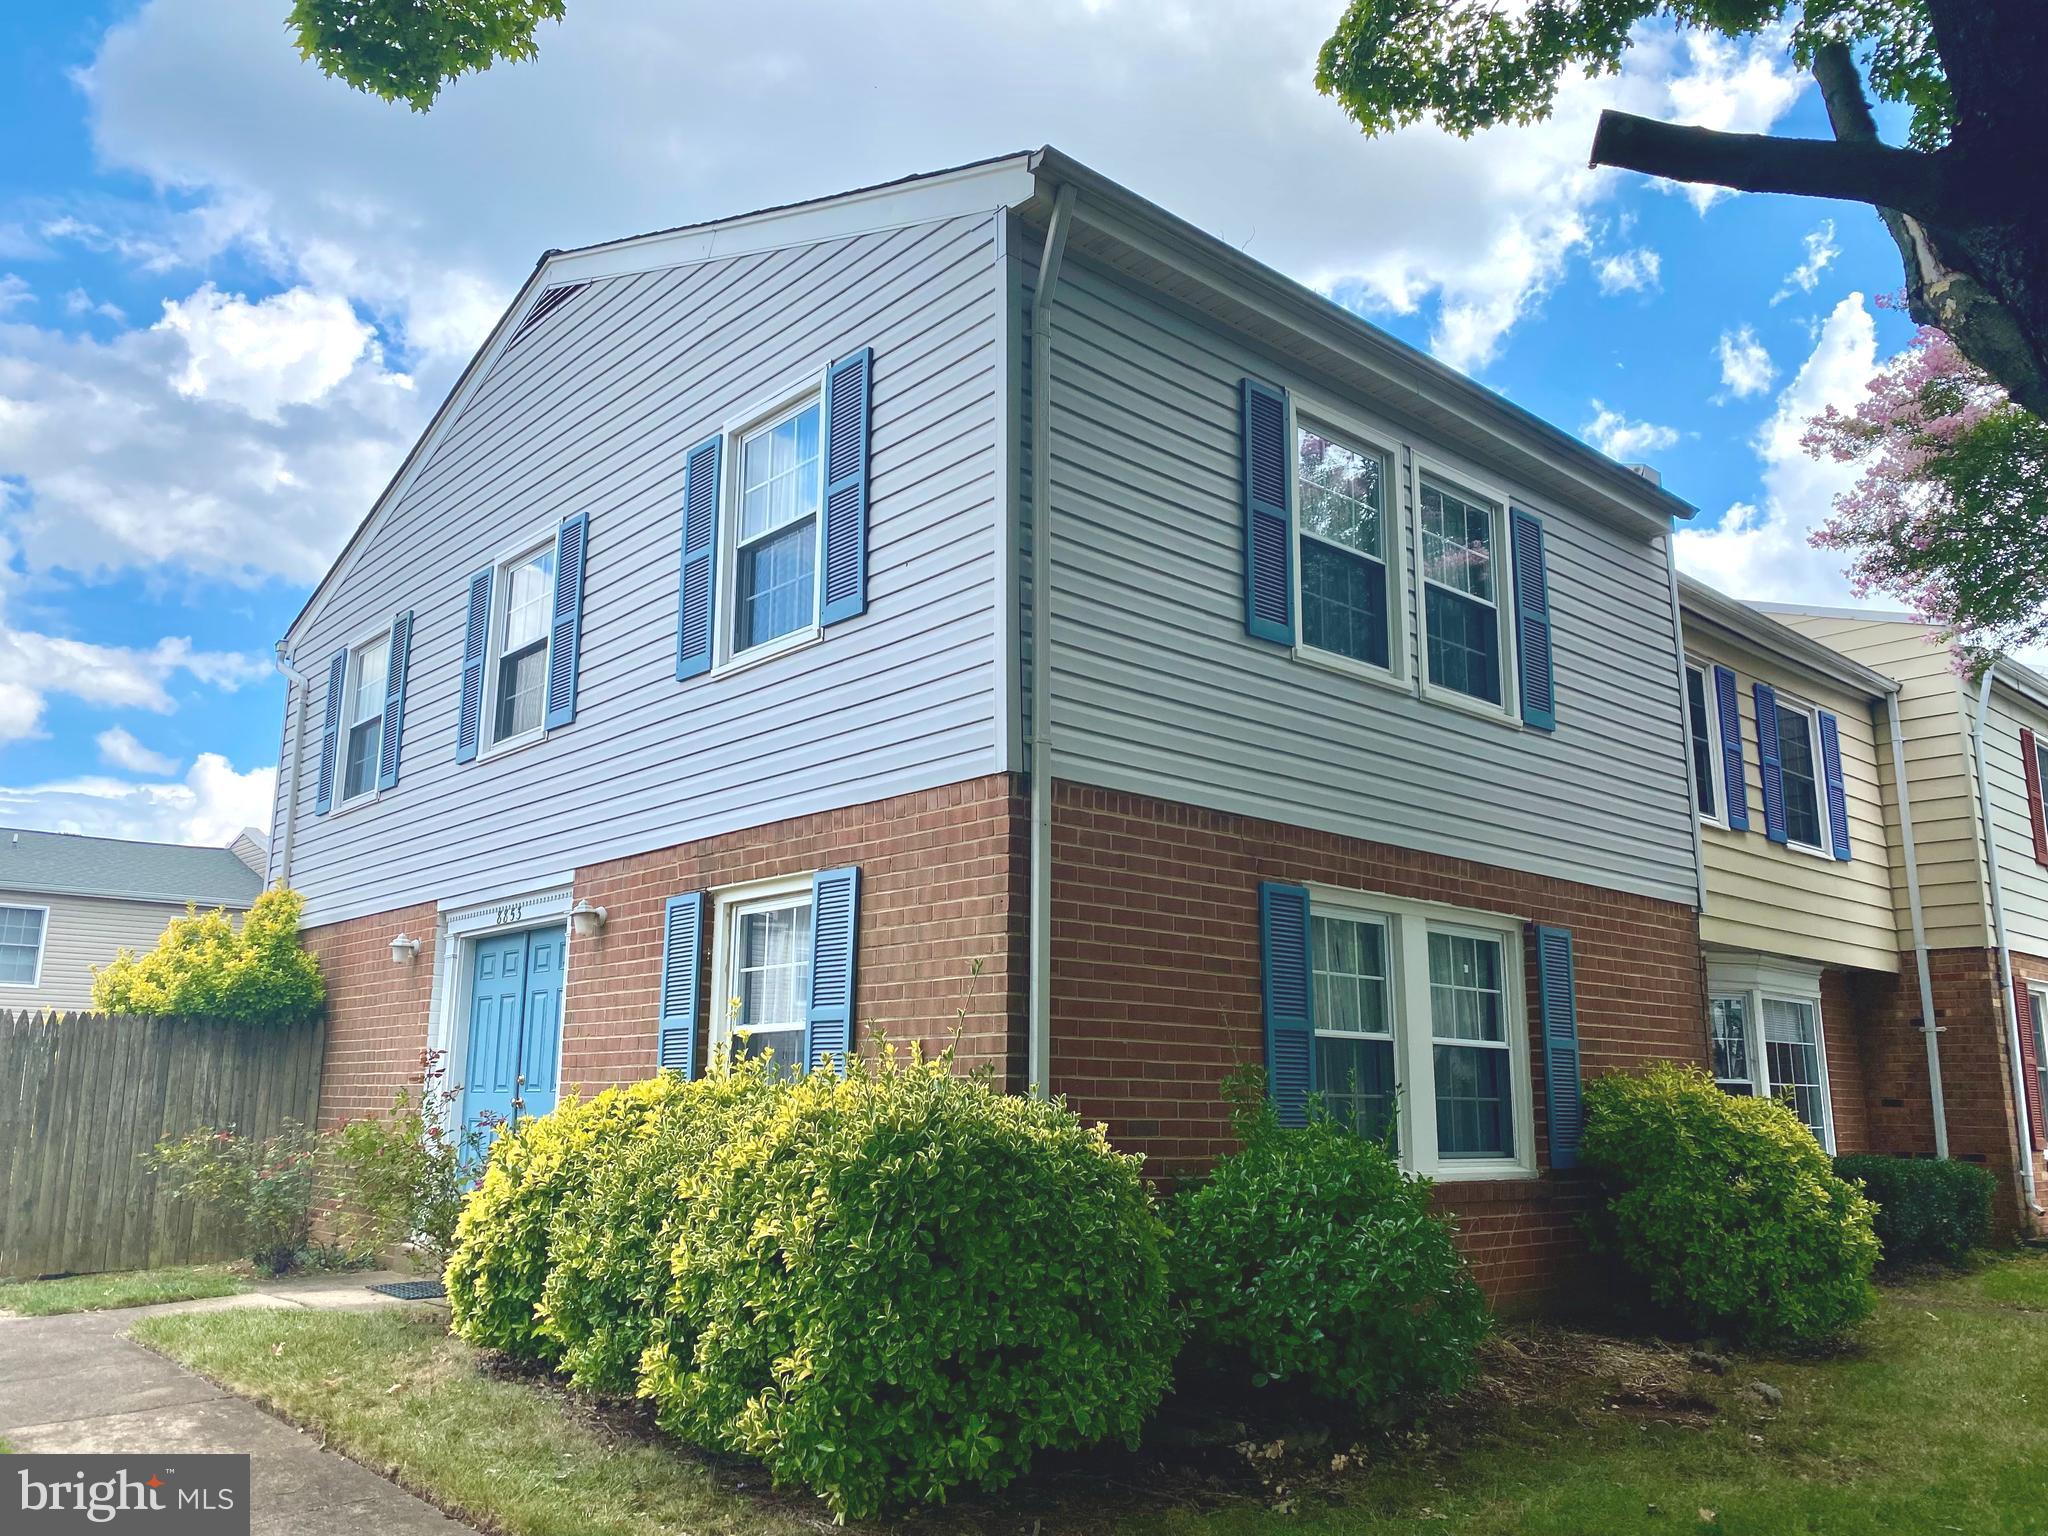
(131, 1288)
(1936, 1420)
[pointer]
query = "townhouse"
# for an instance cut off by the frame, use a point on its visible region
(987, 611)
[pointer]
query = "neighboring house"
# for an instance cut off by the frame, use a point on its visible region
(71, 903)
(1984, 900)
(685, 687)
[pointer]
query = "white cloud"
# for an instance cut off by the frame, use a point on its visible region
(194, 443)
(1636, 271)
(1734, 88)
(1759, 550)
(1620, 438)
(1821, 252)
(1746, 366)
(1218, 121)
(119, 749)
(79, 302)
(292, 348)
(14, 292)
(208, 806)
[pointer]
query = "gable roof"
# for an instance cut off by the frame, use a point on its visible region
(67, 864)
(1117, 217)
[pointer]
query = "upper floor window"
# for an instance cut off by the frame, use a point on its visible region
(1799, 759)
(1703, 729)
(775, 545)
(1341, 507)
(363, 717)
(526, 598)
(21, 945)
(1461, 598)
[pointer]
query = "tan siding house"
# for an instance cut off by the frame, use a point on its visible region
(69, 904)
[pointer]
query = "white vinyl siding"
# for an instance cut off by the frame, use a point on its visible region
(594, 412)
(79, 933)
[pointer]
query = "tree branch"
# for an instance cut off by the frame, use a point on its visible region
(1855, 172)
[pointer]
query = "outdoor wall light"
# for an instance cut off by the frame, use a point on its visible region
(585, 919)
(404, 949)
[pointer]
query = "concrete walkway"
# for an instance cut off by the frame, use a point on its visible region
(77, 1383)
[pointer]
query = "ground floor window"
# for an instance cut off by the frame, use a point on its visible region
(1420, 1031)
(763, 963)
(1764, 1031)
(2037, 1018)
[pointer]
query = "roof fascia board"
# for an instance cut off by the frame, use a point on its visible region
(128, 898)
(1816, 611)
(2021, 682)
(1779, 642)
(1645, 507)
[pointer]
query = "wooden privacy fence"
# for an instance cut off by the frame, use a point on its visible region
(83, 1099)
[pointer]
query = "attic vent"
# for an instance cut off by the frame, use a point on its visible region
(544, 306)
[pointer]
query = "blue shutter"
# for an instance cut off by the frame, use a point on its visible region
(835, 925)
(682, 938)
(565, 638)
(1838, 796)
(1532, 621)
(700, 549)
(394, 699)
(476, 629)
(1289, 999)
(1268, 515)
(1735, 778)
(1771, 762)
(1556, 993)
(330, 730)
(845, 591)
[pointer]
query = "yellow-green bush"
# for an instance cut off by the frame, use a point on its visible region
(901, 1282)
(1726, 1208)
(205, 967)
(1309, 1260)
(608, 1263)
(500, 1263)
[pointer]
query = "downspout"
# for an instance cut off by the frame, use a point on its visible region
(1928, 1026)
(295, 688)
(1038, 1048)
(2005, 979)
(1692, 804)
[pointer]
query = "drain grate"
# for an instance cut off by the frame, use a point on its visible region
(412, 1290)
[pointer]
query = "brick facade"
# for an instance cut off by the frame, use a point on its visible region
(1156, 994)
(377, 1012)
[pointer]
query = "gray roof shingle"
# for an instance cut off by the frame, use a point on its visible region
(66, 864)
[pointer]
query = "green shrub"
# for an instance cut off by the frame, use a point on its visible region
(262, 1191)
(204, 967)
(1927, 1211)
(608, 1262)
(1726, 1208)
(500, 1261)
(403, 1177)
(1309, 1260)
(902, 1282)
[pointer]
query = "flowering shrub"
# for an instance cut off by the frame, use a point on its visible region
(402, 1177)
(204, 967)
(261, 1190)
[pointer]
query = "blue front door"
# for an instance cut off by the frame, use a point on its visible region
(515, 1028)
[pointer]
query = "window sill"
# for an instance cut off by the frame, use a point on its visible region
(511, 744)
(1345, 666)
(1812, 852)
(796, 640)
(1477, 708)
(1478, 1172)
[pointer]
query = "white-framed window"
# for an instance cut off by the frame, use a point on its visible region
(362, 719)
(1348, 564)
(773, 527)
(761, 958)
(1467, 642)
(1799, 767)
(522, 615)
(1421, 1031)
(2037, 997)
(22, 930)
(1766, 1033)
(1703, 737)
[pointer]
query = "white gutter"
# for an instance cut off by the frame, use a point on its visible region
(1927, 1025)
(2005, 980)
(295, 735)
(1038, 1048)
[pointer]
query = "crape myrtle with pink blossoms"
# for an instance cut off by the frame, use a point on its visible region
(1949, 513)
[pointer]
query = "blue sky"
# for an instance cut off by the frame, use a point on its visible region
(231, 291)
